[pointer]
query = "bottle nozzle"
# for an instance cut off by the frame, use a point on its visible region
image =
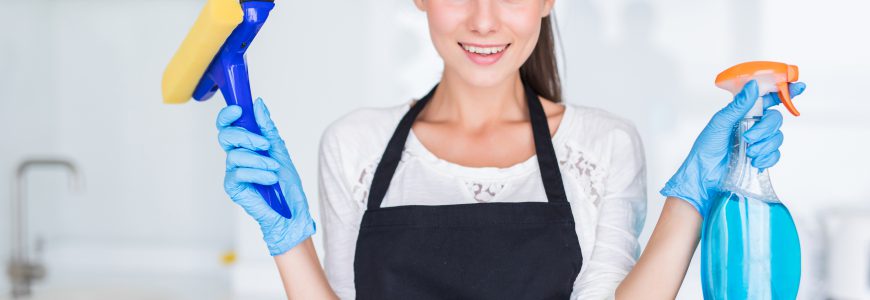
(792, 73)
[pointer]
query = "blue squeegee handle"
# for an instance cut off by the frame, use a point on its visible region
(229, 72)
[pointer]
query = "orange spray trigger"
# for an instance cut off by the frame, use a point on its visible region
(785, 98)
(772, 77)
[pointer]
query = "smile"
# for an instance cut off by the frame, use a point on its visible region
(483, 50)
(484, 54)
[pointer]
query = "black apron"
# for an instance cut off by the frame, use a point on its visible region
(496, 250)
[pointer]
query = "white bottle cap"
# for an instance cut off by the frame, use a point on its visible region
(757, 108)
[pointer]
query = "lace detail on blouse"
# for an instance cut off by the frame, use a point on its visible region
(484, 192)
(364, 181)
(362, 184)
(588, 173)
(574, 162)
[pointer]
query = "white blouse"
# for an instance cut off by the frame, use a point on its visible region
(601, 159)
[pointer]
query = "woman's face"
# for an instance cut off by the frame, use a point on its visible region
(484, 42)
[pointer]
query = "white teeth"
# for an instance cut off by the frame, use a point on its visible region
(481, 50)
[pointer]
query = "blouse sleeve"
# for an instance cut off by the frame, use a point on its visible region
(340, 215)
(621, 215)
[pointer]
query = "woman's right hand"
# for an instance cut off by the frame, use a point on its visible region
(245, 167)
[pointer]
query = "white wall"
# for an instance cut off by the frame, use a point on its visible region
(21, 93)
(82, 80)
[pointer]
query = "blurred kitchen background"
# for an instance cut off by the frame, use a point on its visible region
(141, 214)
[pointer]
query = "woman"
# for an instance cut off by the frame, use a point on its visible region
(489, 187)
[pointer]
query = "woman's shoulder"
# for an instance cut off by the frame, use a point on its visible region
(597, 120)
(364, 129)
(596, 127)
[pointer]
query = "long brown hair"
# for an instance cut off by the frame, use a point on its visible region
(541, 71)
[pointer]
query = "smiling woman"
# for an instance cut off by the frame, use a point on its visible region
(488, 187)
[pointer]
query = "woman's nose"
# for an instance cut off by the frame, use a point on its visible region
(483, 18)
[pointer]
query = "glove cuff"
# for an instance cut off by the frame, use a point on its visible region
(291, 240)
(683, 187)
(671, 191)
(288, 238)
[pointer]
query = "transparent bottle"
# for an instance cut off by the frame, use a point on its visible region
(749, 244)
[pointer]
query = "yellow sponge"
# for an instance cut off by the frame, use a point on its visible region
(211, 29)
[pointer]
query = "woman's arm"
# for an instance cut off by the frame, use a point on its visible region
(661, 268)
(621, 208)
(288, 239)
(301, 273)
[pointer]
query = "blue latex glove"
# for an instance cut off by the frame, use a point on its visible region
(245, 166)
(700, 177)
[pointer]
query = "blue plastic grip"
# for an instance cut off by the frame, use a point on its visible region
(229, 73)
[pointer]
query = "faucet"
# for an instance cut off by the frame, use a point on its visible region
(21, 269)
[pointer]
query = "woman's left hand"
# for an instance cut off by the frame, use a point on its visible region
(701, 174)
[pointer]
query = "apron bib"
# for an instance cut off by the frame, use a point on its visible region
(497, 250)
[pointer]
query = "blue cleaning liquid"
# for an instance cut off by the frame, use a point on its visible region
(749, 250)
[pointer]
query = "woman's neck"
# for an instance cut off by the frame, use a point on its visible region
(474, 107)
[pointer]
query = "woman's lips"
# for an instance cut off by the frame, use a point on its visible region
(484, 55)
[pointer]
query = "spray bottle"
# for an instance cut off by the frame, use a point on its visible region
(749, 244)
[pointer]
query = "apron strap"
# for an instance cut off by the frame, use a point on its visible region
(547, 160)
(390, 160)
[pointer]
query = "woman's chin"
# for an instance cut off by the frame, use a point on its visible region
(485, 78)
